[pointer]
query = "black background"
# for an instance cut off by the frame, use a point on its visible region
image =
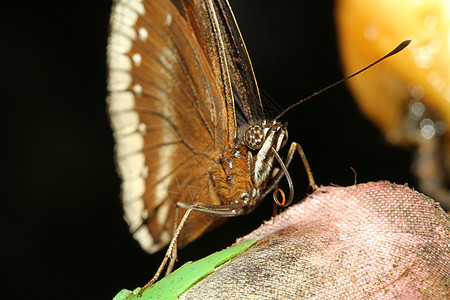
(62, 226)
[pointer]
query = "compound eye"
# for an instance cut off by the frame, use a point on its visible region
(254, 137)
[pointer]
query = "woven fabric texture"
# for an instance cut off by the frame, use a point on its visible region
(375, 240)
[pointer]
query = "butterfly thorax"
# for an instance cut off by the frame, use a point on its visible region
(231, 177)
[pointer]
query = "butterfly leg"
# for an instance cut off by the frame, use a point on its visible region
(174, 256)
(169, 252)
(223, 210)
(312, 182)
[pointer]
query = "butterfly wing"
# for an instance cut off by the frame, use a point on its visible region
(167, 114)
(215, 27)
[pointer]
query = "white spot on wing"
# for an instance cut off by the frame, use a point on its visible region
(125, 13)
(146, 241)
(130, 143)
(119, 101)
(119, 61)
(163, 213)
(144, 172)
(137, 59)
(169, 19)
(133, 189)
(124, 122)
(137, 89)
(118, 80)
(167, 58)
(133, 211)
(142, 235)
(142, 33)
(137, 5)
(165, 237)
(142, 128)
(121, 39)
(130, 166)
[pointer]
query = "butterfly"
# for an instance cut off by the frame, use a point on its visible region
(193, 144)
(187, 116)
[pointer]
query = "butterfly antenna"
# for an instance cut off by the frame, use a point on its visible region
(399, 48)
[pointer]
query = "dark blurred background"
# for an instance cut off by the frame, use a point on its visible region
(62, 225)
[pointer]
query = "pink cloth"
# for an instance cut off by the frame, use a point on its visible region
(368, 241)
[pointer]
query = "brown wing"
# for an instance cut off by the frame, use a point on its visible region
(169, 118)
(215, 28)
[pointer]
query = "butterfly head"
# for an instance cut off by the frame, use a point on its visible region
(262, 139)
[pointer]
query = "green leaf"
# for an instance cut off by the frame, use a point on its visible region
(186, 276)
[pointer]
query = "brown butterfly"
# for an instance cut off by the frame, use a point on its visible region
(189, 125)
